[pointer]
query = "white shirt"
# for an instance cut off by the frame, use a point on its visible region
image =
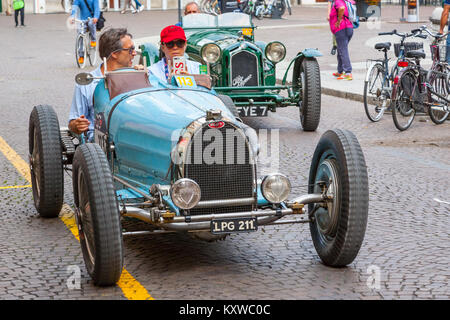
(158, 69)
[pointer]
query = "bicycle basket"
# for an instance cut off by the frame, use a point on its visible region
(409, 46)
(439, 49)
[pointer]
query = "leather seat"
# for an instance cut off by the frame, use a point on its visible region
(418, 54)
(383, 45)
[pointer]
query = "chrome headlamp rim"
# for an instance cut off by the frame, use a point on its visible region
(264, 185)
(269, 46)
(209, 46)
(191, 185)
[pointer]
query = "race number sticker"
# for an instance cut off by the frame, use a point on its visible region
(179, 65)
(186, 81)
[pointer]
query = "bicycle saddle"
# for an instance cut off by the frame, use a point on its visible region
(383, 45)
(418, 54)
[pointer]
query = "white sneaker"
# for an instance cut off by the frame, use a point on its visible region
(133, 11)
(141, 8)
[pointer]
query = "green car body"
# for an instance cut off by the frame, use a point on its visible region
(242, 68)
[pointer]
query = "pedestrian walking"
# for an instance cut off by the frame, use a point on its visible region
(19, 7)
(139, 6)
(342, 28)
(128, 4)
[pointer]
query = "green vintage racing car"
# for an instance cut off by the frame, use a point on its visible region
(244, 69)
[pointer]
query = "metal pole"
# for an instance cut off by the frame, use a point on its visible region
(403, 11)
(179, 11)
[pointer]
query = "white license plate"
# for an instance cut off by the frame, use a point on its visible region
(233, 225)
(252, 111)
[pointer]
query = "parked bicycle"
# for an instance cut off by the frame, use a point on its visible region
(379, 80)
(416, 89)
(83, 47)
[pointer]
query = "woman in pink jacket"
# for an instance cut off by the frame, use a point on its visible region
(342, 28)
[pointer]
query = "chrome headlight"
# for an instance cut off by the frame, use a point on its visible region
(275, 51)
(211, 53)
(275, 188)
(185, 193)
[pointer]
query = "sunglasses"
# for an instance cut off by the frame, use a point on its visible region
(130, 49)
(179, 43)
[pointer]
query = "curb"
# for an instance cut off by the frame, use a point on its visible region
(343, 94)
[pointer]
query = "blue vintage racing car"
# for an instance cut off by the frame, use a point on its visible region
(177, 157)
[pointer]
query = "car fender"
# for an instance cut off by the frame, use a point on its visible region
(297, 61)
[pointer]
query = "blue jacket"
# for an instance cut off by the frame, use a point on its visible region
(84, 12)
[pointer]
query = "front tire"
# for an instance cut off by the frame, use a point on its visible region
(46, 165)
(97, 215)
(79, 43)
(339, 167)
(309, 107)
(373, 90)
(438, 79)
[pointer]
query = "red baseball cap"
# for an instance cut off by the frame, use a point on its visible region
(172, 33)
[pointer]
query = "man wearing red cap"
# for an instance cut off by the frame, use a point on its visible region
(173, 44)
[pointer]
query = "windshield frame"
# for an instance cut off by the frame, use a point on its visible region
(216, 22)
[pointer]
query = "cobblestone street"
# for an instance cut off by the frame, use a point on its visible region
(406, 251)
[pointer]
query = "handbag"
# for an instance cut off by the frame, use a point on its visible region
(101, 20)
(18, 4)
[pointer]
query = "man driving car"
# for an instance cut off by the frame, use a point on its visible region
(116, 45)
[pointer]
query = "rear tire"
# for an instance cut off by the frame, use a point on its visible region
(403, 112)
(46, 165)
(309, 107)
(97, 215)
(338, 230)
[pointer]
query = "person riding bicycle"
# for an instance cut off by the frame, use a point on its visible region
(117, 46)
(83, 10)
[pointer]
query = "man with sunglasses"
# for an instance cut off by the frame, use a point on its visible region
(173, 44)
(116, 45)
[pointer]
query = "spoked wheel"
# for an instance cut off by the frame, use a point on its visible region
(308, 77)
(97, 215)
(46, 165)
(403, 112)
(80, 51)
(375, 102)
(439, 108)
(91, 52)
(339, 170)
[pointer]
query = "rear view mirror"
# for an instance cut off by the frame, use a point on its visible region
(84, 78)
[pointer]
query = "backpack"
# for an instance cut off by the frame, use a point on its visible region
(352, 15)
(18, 4)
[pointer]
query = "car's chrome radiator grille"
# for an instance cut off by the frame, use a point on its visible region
(220, 177)
(244, 69)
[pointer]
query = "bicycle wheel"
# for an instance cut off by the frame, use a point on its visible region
(438, 79)
(80, 51)
(91, 52)
(375, 102)
(403, 112)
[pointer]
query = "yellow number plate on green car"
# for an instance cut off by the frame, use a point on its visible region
(185, 81)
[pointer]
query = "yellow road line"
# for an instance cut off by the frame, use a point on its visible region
(16, 187)
(131, 288)
(15, 159)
